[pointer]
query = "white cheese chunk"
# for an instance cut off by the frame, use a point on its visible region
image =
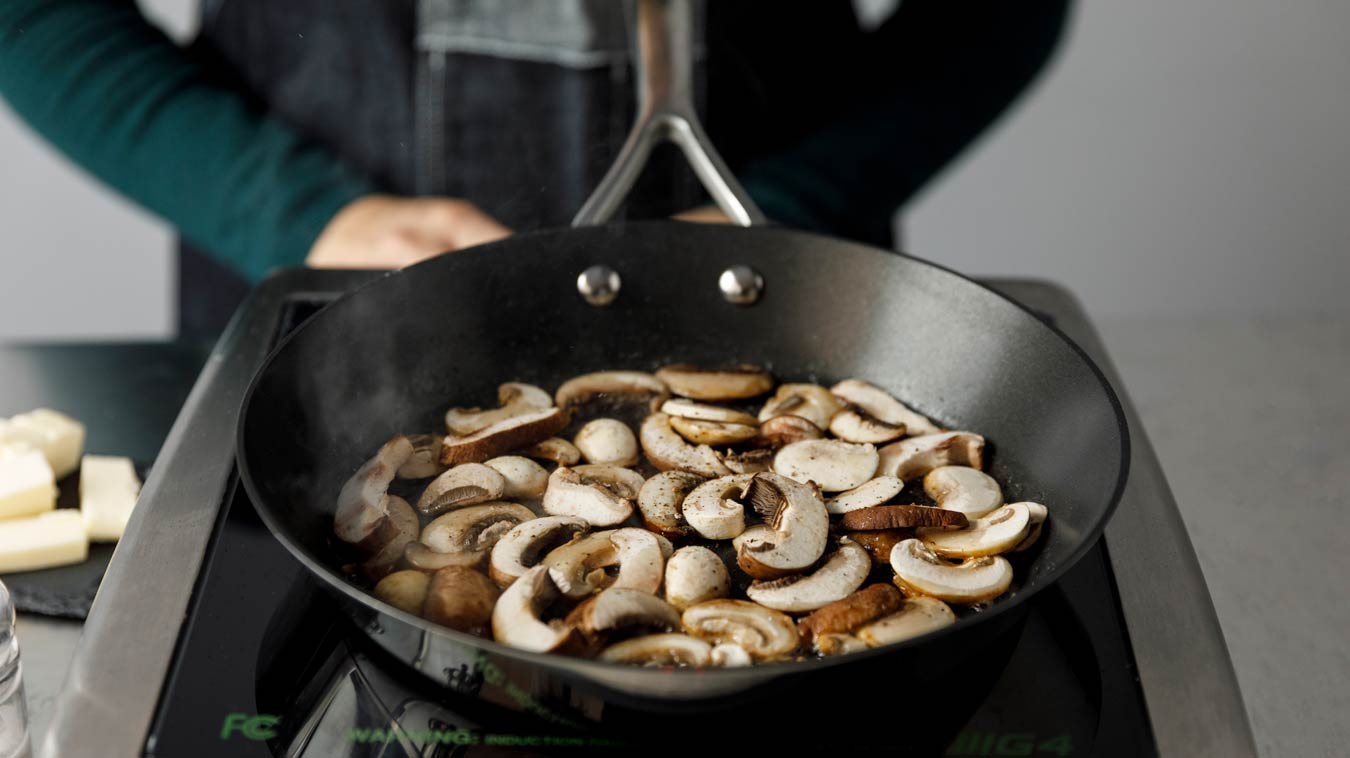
(26, 484)
(108, 491)
(55, 538)
(58, 436)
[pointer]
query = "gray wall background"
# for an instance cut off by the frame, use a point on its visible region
(1183, 158)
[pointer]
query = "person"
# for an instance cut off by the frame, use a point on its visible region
(364, 134)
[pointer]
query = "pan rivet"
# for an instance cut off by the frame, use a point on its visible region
(741, 285)
(599, 284)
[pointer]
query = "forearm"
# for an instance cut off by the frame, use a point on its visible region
(141, 114)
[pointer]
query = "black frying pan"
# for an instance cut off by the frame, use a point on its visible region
(390, 357)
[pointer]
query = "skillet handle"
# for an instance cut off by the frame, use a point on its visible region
(666, 113)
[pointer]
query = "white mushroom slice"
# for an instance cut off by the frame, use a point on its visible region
(682, 408)
(609, 385)
(1037, 515)
(853, 424)
(619, 608)
(735, 383)
(526, 545)
(570, 493)
(642, 563)
(748, 462)
(794, 533)
(426, 458)
(781, 431)
(917, 616)
(524, 478)
(882, 406)
(695, 574)
(503, 437)
(465, 484)
(660, 498)
(838, 644)
(832, 464)
(516, 617)
(963, 489)
(362, 514)
(710, 510)
(730, 655)
(578, 567)
(719, 433)
(555, 449)
(624, 482)
(840, 574)
(916, 456)
(866, 495)
(404, 518)
(974, 580)
(660, 650)
(764, 633)
(514, 399)
(998, 532)
(607, 441)
(668, 451)
(464, 536)
(809, 401)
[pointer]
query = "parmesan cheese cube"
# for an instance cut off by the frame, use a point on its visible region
(58, 436)
(55, 538)
(26, 484)
(108, 491)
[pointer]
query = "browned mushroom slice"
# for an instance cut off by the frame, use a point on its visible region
(748, 462)
(426, 457)
(795, 531)
(843, 616)
(842, 572)
(660, 650)
(668, 451)
(517, 617)
(503, 437)
(660, 498)
(602, 498)
(462, 599)
(853, 424)
(610, 385)
(764, 633)
(607, 441)
(838, 644)
(700, 432)
(515, 399)
(362, 514)
(781, 431)
(735, 383)
(526, 545)
(463, 485)
(695, 574)
(918, 570)
(405, 590)
(916, 616)
(881, 405)
(404, 519)
(808, 401)
(878, 544)
(555, 449)
(619, 608)
(916, 456)
(901, 517)
(464, 537)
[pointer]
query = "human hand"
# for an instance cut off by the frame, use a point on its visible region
(383, 231)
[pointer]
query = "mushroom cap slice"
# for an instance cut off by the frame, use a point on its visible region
(524, 478)
(730, 655)
(601, 385)
(795, 531)
(838, 644)
(735, 383)
(916, 456)
(834, 465)
(514, 399)
(571, 493)
(406, 529)
(781, 431)
(842, 572)
(883, 406)
(362, 514)
(870, 493)
(807, 401)
(461, 598)
(764, 633)
(884, 517)
(619, 608)
(528, 543)
(516, 616)
(917, 616)
(426, 458)
(700, 432)
(749, 461)
(964, 489)
(405, 590)
(668, 451)
(1037, 514)
(578, 567)
(710, 511)
(642, 562)
(464, 537)
(607, 441)
(919, 570)
(844, 615)
(695, 574)
(555, 449)
(623, 482)
(660, 650)
(503, 436)
(660, 498)
(463, 485)
(853, 424)
(683, 408)
(998, 532)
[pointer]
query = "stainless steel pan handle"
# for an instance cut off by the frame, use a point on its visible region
(666, 113)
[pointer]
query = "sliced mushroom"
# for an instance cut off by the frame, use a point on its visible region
(710, 510)
(407, 528)
(794, 533)
(882, 406)
(808, 401)
(748, 462)
(882, 517)
(730, 655)
(917, 616)
(838, 644)
(405, 590)
(833, 465)
(526, 545)
(764, 633)
(362, 514)
(516, 617)
(555, 449)
(845, 615)
(682, 408)
(464, 537)
(465, 484)
(607, 440)
(524, 478)
(916, 456)
(701, 432)
(973, 580)
(998, 532)
(426, 458)
(623, 482)
(642, 563)
(695, 574)
(853, 424)
(619, 608)
(668, 451)
(869, 493)
(781, 431)
(735, 383)
(660, 650)
(879, 544)
(660, 498)
(571, 493)
(462, 599)
(964, 489)
(610, 385)
(514, 399)
(578, 567)
(1037, 514)
(503, 437)
(841, 573)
